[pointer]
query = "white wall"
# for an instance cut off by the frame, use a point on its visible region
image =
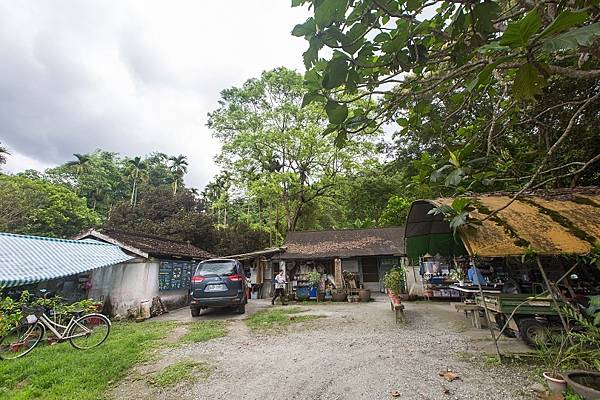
(414, 281)
(125, 285)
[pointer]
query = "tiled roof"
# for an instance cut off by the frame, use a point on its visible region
(31, 259)
(149, 245)
(344, 243)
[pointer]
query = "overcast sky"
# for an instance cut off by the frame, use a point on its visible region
(131, 76)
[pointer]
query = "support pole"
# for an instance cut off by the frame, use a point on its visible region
(552, 294)
(487, 315)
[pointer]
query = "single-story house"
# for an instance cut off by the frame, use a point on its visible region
(368, 253)
(59, 265)
(261, 266)
(159, 267)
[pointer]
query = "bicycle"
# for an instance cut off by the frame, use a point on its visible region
(83, 332)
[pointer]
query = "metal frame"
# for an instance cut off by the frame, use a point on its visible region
(52, 326)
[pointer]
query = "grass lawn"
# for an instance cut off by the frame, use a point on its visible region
(63, 372)
(267, 320)
(203, 331)
(182, 371)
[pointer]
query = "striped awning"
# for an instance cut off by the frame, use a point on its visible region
(31, 259)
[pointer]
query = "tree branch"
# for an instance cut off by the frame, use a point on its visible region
(550, 152)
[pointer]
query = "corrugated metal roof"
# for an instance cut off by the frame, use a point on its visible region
(344, 243)
(559, 222)
(31, 259)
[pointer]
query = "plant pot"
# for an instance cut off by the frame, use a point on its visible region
(584, 383)
(364, 294)
(555, 383)
(338, 296)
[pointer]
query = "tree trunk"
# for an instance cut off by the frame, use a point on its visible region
(133, 194)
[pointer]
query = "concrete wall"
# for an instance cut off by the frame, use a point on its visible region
(123, 286)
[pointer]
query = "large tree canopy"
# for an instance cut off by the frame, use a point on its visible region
(38, 207)
(482, 94)
(274, 151)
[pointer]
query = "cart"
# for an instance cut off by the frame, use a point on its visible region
(529, 316)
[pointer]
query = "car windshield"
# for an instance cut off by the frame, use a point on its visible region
(216, 268)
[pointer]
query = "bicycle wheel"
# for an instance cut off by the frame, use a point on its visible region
(20, 340)
(89, 331)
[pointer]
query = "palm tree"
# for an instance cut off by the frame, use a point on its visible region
(81, 164)
(3, 153)
(178, 167)
(137, 171)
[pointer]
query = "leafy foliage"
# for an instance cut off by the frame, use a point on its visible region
(274, 153)
(38, 207)
(395, 279)
(515, 86)
(3, 153)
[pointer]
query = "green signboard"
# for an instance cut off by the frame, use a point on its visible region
(173, 275)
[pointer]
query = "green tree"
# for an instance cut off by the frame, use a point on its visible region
(3, 153)
(178, 166)
(137, 171)
(81, 164)
(100, 177)
(38, 207)
(274, 150)
(484, 95)
(395, 212)
(183, 216)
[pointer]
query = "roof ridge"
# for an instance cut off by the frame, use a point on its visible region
(347, 229)
(150, 236)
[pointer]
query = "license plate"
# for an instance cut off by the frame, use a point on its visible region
(215, 288)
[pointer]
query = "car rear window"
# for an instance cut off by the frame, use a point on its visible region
(217, 268)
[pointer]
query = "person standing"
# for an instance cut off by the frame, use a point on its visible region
(475, 275)
(279, 288)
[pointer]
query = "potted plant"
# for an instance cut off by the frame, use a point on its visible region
(551, 352)
(314, 278)
(457, 274)
(393, 281)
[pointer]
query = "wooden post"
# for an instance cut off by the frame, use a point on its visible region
(487, 315)
(338, 278)
(552, 294)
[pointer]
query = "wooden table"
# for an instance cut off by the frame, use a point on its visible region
(472, 311)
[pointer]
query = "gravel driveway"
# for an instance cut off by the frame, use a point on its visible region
(355, 352)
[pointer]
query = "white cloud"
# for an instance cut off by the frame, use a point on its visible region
(131, 76)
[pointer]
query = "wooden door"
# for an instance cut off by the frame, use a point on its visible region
(370, 271)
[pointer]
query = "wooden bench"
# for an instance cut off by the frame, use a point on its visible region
(472, 311)
(397, 308)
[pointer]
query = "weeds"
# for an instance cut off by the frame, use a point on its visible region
(182, 371)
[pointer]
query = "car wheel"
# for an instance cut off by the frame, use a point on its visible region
(533, 332)
(195, 312)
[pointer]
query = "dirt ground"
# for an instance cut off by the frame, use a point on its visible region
(356, 351)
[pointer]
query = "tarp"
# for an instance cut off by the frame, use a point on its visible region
(559, 222)
(32, 259)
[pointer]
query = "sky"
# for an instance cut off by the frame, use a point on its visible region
(131, 77)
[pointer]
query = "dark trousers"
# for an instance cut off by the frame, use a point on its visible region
(279, 293)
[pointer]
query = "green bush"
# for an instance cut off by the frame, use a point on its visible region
(394, 279)
(11, 310)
